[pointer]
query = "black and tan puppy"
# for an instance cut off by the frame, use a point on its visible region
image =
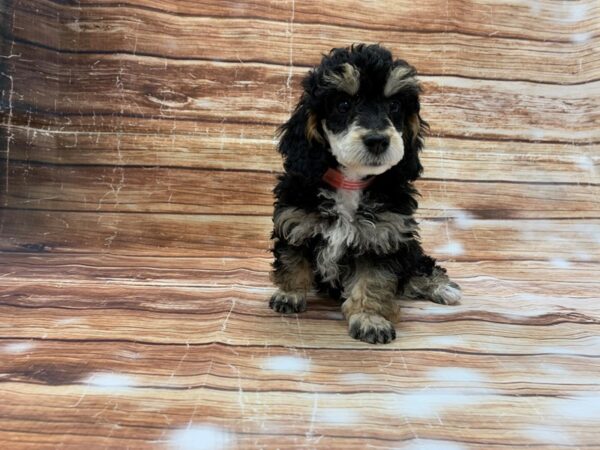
(343, 219)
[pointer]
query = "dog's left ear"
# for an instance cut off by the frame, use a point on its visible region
(414, 127)
(402, 82)
(413, 134)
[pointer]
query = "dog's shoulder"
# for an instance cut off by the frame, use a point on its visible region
(298, 191)
(393, 195)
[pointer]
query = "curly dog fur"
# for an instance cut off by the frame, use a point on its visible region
(358, 121)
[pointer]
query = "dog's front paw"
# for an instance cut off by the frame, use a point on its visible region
(371, 328)
(436, 287)
(288, 302)
(447, 294)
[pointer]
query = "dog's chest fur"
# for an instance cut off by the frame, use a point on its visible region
(343, 226)
(346, 202)
(341, 206)
(354, 226)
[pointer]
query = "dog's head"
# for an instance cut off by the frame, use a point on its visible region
(359, 110)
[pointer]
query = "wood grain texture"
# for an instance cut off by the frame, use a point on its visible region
(210, 146)
(200, 191)
(244, 38)
(216, 90)
(216, 365)
(244, 235)
(136, 167)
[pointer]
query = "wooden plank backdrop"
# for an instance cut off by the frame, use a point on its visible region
(136, 171)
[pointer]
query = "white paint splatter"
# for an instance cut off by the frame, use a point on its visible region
(68, 321)
(431, 403)
(18, 347)
(287, 364)
(577, 12)
(543, 299)
(547, 435)
(433, 309)
(534, 6)
(456, 374)
(585, 162)
(579, 408)
(338, 416)
(356, 378)
(444, 341)
(537, 134)
(583, 256)
(201, 437)
(580, 38)
(560, 263)
(204, 104)
(588, 229)
(463, 219)
(110, 380)
(171, 103)
(427, 444)
(554, 369)
(74, 26)
(451, 248)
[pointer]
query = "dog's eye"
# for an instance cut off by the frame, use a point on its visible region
(394, 106)
(343, 106)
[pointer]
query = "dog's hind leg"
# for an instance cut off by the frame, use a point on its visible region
(293, 275)
(432, 283)
(369, 306)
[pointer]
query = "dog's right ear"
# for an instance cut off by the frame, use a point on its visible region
(302, 143)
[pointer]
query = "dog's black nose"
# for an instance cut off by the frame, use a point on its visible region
(376, 143)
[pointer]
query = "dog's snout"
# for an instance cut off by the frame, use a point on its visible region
(376, 143)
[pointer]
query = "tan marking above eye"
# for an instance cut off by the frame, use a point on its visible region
(399, 78)
(347, 81)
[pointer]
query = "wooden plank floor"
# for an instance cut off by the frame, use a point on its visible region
(135, 178)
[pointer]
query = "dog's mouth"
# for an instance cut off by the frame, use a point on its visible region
(375, 163)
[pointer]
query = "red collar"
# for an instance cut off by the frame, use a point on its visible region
(336, 179)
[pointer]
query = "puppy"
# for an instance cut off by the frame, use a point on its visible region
(343, 213)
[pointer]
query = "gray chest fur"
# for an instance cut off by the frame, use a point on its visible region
(358, 226)
(349, 224)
